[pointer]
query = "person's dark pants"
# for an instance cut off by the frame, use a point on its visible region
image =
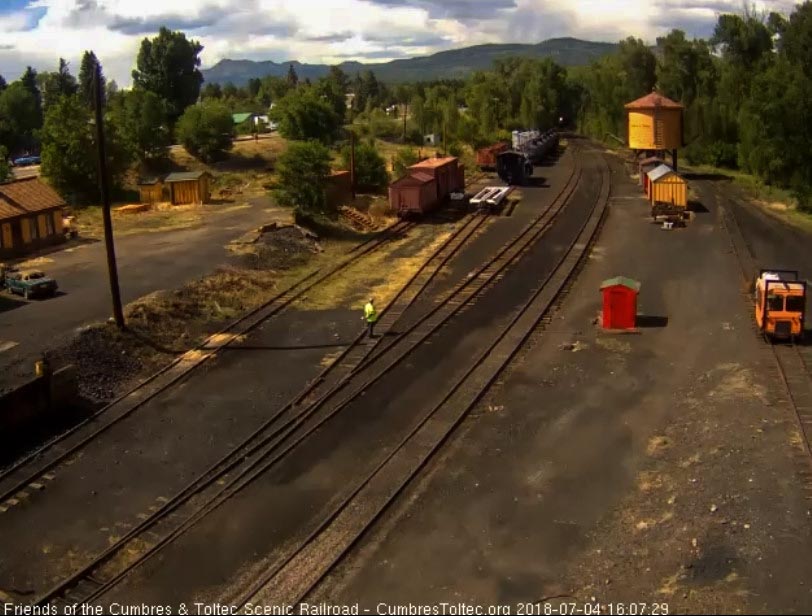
(371, 328)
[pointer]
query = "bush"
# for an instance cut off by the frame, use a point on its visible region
(404, 159)
(302, 172)
(414, 137)
(370, 167)
(716, 154)
(303, 115)
(205, 130)
(5, 170)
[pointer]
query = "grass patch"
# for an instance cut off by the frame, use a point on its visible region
(381, 274)
(776, 201)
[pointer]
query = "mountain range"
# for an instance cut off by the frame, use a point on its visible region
(452, 64)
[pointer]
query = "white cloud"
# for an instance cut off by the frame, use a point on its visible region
(327, 30)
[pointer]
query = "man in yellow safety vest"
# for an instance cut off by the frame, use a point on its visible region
(370, 316)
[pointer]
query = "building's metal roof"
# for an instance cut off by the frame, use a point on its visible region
(433, 163)
(660, 172)
(621, 281)
(239, 118)
(185, 176)
(149, 181)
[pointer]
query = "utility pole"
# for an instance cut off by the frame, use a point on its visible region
(352, 162)
(118, 313)
(405, 112)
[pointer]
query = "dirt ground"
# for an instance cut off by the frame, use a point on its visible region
(658, 467)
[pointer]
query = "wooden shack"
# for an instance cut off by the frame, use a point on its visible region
(189, 187)
(667, 188)
(150, 190)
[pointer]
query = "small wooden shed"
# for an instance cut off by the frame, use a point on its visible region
(619, 303)
(668, 187)
(415, 193)
(189, 187)
(150, 190)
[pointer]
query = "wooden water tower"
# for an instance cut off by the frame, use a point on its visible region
(655, 125)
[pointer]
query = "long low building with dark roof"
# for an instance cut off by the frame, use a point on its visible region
(31, 214)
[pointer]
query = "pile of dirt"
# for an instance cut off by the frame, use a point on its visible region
(279, 247)
(108, 361)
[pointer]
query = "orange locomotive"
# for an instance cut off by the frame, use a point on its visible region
(780, 304)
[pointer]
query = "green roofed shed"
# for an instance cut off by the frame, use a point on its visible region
(239, 118)
(621, 281)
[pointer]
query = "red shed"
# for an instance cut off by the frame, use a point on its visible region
(444, 172)
(619, 303)
(414, 193)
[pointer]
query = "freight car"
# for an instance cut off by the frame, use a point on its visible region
(486, 157)
(513, 167)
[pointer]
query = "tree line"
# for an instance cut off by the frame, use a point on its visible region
(745, 90)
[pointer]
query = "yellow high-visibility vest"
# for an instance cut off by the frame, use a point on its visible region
(369, 313)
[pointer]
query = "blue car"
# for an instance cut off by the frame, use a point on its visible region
(25, 161)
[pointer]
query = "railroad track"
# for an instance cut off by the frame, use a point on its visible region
(32, 472)
(278, 437)
(294, 579)
(13, 488)
(793, 363)
(171, 514)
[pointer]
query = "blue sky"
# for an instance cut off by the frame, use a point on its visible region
(38, 32)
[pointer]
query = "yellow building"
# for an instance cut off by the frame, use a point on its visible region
(189, 187)
(30, 216)
(655, 123)
(667, 187)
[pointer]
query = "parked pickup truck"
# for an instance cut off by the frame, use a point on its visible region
(32, 283)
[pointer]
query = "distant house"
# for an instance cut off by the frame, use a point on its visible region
(188, 187)
(431, 139)
(31, 215)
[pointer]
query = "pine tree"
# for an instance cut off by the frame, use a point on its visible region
(86, 70)
(293, 78)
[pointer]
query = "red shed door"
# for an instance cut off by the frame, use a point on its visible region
(618, 305)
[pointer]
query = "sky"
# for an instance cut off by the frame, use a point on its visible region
(38, 32)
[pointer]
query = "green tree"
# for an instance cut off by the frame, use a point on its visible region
(5, 170)
(30, 83)
(302, 172)
(69, 157)
(304, 115)
(168, 66)
(205, 130)
(797, 37)
(19, 117)
(638, 67)
(211, 90)
(143, 124)
(370, 167)
(292, 78)
(57, 84)
(86, 71)
(404, 159)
